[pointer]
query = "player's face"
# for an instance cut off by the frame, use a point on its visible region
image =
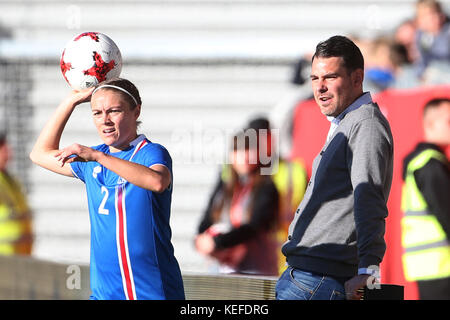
(333, 86)
(114, 119)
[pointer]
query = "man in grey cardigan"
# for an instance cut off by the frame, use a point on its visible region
(336, 239)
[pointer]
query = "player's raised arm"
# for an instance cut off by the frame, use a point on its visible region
(47, 144)
(156, 178)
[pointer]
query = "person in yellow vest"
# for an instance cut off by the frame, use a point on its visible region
(426, 206)
(15, 216)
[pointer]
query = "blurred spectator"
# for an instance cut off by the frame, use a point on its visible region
(238, 226)
(404, 71)
(388, 66)
(380, 69)
(432, 36)
(405, 35)
(15, 217)
(426, 206)
(290, 178)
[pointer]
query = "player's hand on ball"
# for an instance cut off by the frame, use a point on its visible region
(78, 97)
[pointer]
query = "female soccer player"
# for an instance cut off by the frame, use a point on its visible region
(129, 187)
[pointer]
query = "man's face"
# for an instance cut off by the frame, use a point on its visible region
(437, 124)
(333, 86)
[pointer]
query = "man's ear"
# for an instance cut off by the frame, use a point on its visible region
(358, 77)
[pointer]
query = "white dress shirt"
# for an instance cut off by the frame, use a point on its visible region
(364, 99)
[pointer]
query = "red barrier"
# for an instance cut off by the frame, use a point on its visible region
(403, 109)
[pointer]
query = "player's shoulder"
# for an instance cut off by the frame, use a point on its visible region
(154, 147)
(366, 113)
(153, 153)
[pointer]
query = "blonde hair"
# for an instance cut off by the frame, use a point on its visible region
(125, 87)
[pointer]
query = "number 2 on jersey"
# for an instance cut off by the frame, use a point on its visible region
(101, 209)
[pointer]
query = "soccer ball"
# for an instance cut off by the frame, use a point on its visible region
(90, 58)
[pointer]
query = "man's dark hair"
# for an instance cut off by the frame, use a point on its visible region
(340, 46)
(434, 103)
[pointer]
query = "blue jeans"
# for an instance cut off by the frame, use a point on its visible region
(295, 284)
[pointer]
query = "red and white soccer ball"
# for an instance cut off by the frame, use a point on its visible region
(90, 58)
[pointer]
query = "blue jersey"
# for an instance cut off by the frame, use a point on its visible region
(132, 256)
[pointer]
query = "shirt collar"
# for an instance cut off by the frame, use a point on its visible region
(365, 98)
(136, 141)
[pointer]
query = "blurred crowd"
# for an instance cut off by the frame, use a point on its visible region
(416, 53)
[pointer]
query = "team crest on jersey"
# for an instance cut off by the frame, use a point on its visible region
(121, 180)
(96, 171)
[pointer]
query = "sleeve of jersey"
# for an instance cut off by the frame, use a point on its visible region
(78, 169)
(156, 154)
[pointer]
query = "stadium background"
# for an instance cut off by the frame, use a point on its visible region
(202, 66)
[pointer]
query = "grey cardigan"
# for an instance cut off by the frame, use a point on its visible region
(339, 226)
